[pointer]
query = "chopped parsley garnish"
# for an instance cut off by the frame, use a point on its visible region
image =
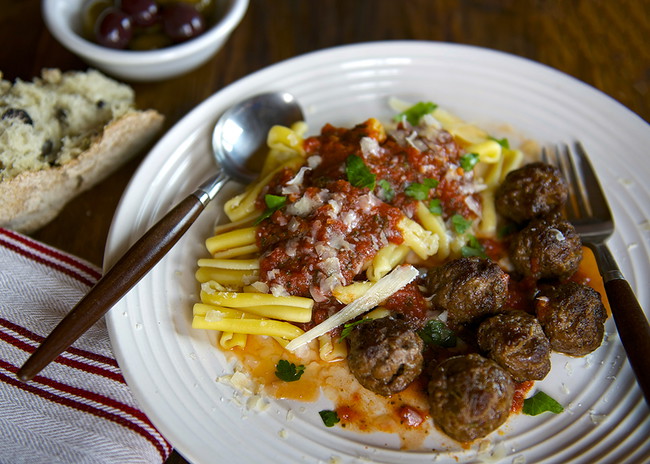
(473, 248)
(358, 173)
(387, 191)
(436, 332)
(435, 207)
(468, 161)
(347, 328)
(421, 191)
(415, 113)
(288, 371)
(503, 142)
(273, 203)
(460, 223)
(540, 402)
(330, 418)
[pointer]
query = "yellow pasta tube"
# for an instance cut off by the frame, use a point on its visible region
(232, 239)
(385, 260)
(235, 252)
(243, 205)
(239, 264)
(227, 277)
(240, 224)
(377, 313)
(492, 174)
(421, 241)
(284, 143)
(348, 293)
(331, 349)
(487, 227)
(465, 134)
(201, 309)
(249, 326)
(489, 151)
(285, 313)
(230, 340)
(243, 300)
(436, 225)
(512, 160)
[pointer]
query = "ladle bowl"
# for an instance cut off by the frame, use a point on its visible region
(237, 136)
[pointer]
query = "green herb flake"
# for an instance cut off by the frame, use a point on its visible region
(473, 248)
(435, 332)
(460, 223)
(421, 191)
(435, 206)
(539, 403)
(415, 112)
(347, 328)
(503, 142)
(288, 371)
(387, 191)
(330, 418)
(358, 173)
(273, 203)
(468, 161)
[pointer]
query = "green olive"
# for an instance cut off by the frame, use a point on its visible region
(150, 41)
(89, 14)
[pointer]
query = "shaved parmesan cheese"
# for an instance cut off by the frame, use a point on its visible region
(314, 161)
(369, 146)
(385, 287)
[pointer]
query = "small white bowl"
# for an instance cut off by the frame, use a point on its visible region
(63, 19)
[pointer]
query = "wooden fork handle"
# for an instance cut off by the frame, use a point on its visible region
(633, 330)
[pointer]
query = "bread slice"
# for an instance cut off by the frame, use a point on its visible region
(53, 146)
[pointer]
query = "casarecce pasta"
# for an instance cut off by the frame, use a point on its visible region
(333, 215)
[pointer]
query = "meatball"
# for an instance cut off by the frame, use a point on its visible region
(385, 355)
(470, 396)
(533, 190)
(468, 288)
(573, 318)
(516, 341)
(547, 248)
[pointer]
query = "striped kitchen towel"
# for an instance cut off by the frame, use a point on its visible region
(79, 409)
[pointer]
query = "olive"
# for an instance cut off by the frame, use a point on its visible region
(114, 28)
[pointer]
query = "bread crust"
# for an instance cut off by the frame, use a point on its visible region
(33, 198)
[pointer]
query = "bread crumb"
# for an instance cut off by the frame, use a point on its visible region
(53, 119)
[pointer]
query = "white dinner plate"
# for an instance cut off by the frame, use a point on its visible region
(172, 369)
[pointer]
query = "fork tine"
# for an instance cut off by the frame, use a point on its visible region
(591, 186)
(573, 174)
(558, 158)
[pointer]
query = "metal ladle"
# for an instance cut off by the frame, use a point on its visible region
(236, 138)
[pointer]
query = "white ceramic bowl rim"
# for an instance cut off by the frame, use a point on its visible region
(62, 29)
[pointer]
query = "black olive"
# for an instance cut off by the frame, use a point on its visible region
(46, 152)
(61, 115)
(19, 114)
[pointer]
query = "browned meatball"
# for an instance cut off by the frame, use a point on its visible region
(546, 248)
(470, 396)
(516, 341)
(468, 288)
(385, 355)
(573, 318)
(531, 191)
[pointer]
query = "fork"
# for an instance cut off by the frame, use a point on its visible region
(588, 211)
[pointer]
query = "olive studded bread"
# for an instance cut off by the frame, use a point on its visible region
(60, 135)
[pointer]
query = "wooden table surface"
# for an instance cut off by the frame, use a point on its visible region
(601, 42)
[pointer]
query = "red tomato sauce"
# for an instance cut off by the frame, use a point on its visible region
(331, 227)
